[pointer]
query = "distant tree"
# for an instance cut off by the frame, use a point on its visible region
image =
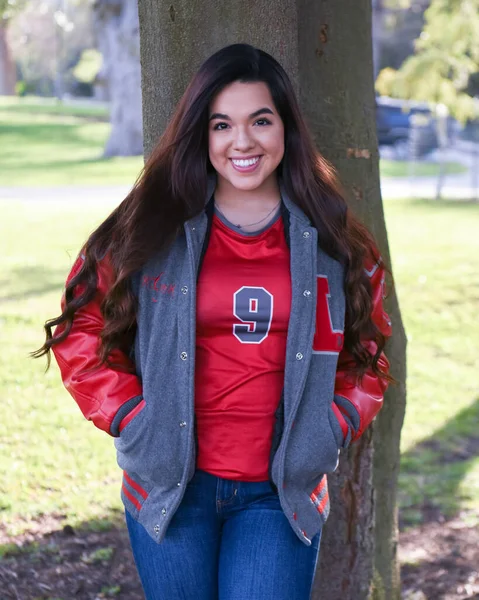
(47, 38)
(401, 23)
(446, 57)
(117, 32)
(377, 32)
(7, 66)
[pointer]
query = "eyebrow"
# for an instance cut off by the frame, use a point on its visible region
(256, 113)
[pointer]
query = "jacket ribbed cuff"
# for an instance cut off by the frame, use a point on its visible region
(124, 409)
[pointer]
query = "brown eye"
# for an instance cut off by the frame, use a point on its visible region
(219, 126)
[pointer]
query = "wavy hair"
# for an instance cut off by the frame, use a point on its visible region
(172, 187)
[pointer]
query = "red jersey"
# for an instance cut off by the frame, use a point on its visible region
(243, 307)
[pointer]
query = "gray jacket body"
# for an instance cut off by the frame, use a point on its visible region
(157, 448)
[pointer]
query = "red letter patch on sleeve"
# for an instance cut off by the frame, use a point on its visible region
(326, 339)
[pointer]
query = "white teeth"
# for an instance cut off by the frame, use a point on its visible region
(246, 163)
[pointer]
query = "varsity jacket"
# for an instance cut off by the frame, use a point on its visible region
(150, 413)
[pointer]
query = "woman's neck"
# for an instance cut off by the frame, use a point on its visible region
(249, 201)
(248, 209)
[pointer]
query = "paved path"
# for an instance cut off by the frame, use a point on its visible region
(74, 193)
(454, 187)
(458, 186)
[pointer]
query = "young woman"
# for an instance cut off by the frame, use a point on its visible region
(225, 325)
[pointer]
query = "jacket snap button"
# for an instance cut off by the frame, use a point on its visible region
(307, 293)
(299, 356)
(183, 356)
(182, 423)
(163, 511)
(306, 234)
(156, 529)
(179, 484)
(184, 289)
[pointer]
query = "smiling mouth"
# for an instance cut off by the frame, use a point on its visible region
(245, 164)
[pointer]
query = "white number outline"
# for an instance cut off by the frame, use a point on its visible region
(249, 287)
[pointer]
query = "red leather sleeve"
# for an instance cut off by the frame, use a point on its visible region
(361, 401)
(99, 391)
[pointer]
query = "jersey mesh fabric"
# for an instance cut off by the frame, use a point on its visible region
(243, 307)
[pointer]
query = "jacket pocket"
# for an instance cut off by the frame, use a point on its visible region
(131, 434)
(131, 415)
(136, 446)
(336, 428)
(312, 448)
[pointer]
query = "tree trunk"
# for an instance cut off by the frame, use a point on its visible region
(116, 24)
(336, 68)
(326, 48)
(7, 66)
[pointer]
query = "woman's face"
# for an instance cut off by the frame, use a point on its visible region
(245, 136)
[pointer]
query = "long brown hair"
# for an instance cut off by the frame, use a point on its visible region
(172, 187)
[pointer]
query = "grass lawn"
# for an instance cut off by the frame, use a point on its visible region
(402, 168)
(52, 461)
(435, 249)
(51, 106)
(49, 144)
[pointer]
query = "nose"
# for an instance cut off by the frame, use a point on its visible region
(242, 140)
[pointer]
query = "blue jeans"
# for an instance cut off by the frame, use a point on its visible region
(228, 540)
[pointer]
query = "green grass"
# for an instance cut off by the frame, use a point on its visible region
(435, 249)
(35, 105)
(52, 461)
(46, 144)
(402, 168)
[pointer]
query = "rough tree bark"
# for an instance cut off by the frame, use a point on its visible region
(326, 48)
(116, 25)
(7, 66)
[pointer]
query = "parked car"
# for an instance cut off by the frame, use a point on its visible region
(409, 127)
